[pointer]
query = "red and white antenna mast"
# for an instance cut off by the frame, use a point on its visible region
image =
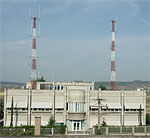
(113, 58)
(34, 72)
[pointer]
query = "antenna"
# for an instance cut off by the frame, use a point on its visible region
(39, 28)
(113, 59)
(39, 10)
(33, 70)
(29, 12)
(33, 11)
(39, 18)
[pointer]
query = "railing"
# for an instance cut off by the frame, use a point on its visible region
(122, 130)
(133, 130)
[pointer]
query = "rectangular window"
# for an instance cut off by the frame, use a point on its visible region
(59, 109)
(76, 125)
(67, 106)
(51, 87)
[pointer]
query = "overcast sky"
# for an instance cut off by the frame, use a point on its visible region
(75, 39)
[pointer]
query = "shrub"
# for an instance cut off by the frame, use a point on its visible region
(97, 131)
(60, 129)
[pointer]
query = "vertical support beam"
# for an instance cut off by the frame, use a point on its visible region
(66, 131)
(54, 98)
(122, 108)
(99, 109)
(52, 131)
(93, 130)
(120, 130)
(87, 100)
(106, 130)
(65, 102)
(133, 130)
(5, 110)
(29, 107)
(37, 130)
(144, 112)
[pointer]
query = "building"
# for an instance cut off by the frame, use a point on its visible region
(148, 103)
(75, 104)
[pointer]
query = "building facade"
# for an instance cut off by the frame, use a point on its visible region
(74, 104)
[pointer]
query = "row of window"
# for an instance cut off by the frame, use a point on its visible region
(75, 107)
(36, 109)
(50, 87)
(57, 87)
(111, 109)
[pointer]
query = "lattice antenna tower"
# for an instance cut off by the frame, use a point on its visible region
(113, 85)
(34, 46)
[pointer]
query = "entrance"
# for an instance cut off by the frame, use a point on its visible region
(76, 125)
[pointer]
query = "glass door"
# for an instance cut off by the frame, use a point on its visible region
(76, 125)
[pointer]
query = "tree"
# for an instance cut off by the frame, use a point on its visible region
(51, 121)
(12, 108)
(41, 79)
(102, 87)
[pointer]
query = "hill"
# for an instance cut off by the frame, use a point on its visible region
(134, 85)
(5, 84)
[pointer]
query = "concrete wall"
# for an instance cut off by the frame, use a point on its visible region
(80, 95)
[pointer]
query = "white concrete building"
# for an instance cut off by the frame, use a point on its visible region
(74, 104)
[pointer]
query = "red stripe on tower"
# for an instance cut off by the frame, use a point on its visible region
(33, 72)
(113, 56)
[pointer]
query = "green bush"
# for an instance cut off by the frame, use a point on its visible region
(17, 131)
(29, 132)
(60, 129)
(97, 131)
(45, 130)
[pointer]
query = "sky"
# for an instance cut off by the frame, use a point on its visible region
(74, 39)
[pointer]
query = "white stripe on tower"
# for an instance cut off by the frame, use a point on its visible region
(113, 56)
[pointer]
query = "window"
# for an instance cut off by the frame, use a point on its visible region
(51, 87)
(58, 87)
(93, 109)
(59, 124)
(41, 86)
(48, 109)
(23, 109)
(35, 109)
(59, 109)
(76, 107)
(67, 106)
(90, 88)
(76, 125)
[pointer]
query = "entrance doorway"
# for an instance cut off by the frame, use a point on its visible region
(76, 125)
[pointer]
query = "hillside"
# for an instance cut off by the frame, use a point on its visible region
(17, 85)
(126, 85)
(120, 85)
